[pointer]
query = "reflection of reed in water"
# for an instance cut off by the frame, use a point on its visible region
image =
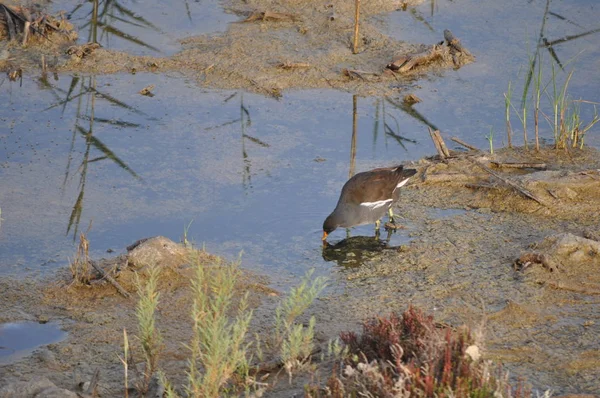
(106, 15)
(84, 91)
(245, 122)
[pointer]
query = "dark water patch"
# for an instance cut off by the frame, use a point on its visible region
(144, 28)
(19, 339)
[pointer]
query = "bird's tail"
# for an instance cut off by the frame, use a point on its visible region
(405, 173)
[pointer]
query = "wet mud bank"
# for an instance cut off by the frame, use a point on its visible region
(273, 47)
(527, 271)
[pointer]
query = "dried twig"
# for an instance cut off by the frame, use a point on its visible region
(520, 165)
(110, 279)
(528, 259)
(461, 142)
(439, 143)
(512, 184)
(356, 21)
(293, 65)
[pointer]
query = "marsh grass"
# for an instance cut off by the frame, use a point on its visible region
(490, 138)
(149, 335)
(507, 107)
(125, 359)
(565, 115)
(80, 266)
(218, 349)
(296, 339)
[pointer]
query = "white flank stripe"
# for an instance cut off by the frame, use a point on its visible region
(375, 205)
(402, 183)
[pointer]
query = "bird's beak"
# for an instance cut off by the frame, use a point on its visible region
(324, 236)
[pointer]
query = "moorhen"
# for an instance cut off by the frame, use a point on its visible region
(366, 197)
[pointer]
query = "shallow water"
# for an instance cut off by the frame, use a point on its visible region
(20, 339)
(144, 28)
(249, 173)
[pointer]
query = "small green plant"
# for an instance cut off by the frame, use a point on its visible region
(218, 348)
(186, 229)
(537, 94)
(490, 138)
(125, 361)
(296, 340)
(148, 334)
(507, 100)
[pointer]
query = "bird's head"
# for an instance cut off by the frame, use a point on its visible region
(329, 225)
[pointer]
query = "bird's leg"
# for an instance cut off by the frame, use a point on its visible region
(391, 215)
(389, 236)
(347, 233)
(377, 225)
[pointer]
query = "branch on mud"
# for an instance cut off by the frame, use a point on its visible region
(520, 165)
(461, 142)
(110, 279)
(508, 182)
(439, 143)
(449, 51)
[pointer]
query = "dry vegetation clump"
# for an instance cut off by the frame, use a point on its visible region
(26, 23)
(409, 355)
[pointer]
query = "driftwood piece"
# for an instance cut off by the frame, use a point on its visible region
(411, 99)
(512, 184)
(293, 65)
(439, 143)
(450, 50)
(136, 244)
(453, 41)
(456, 49)
(147, 91)
(110, 279)
(520, 165)
(528, 259)
(421, 58)
(461, 142)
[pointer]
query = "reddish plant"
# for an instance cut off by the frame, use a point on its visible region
(413, 354)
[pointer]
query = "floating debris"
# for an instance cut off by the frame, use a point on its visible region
(411, 99)
(15, 74)
(83, 50)
(449, 52)
(147, 91)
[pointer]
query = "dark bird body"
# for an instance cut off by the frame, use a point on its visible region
(366, 197)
